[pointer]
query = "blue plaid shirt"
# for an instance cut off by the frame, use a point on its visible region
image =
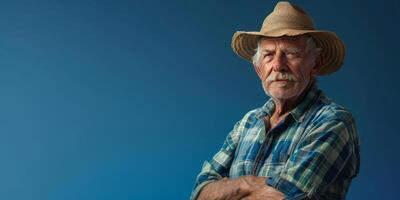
(313, 152)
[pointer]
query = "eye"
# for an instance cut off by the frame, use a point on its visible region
(268, 56)
(292, 54)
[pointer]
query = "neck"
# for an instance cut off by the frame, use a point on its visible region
(284, 106)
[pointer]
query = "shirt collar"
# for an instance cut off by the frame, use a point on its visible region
(298, 113)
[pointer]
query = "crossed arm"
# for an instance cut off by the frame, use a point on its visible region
(318, 160)
(243, 188)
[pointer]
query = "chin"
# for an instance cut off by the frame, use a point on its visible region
(282, 96)
(282, 93)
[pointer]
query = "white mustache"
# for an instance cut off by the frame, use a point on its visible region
(281, 76)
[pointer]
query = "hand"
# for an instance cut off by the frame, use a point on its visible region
(225, 189)
(249, 184)
(263, 193)
(244, 187)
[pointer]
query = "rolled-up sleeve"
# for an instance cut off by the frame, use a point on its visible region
(318, 159)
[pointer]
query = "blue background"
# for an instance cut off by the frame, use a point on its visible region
(126, 99)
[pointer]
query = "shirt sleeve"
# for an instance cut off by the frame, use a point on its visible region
(318, 159)
(218, 167)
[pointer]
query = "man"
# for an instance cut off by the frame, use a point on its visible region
(300, 144)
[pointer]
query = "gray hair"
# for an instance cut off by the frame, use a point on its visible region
(311, 47)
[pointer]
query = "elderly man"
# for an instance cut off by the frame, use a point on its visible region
(299, 144)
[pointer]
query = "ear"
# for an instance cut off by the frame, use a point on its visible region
(317, 64)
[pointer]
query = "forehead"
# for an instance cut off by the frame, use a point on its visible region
(283, 42)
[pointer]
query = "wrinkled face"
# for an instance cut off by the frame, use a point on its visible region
(285, 66)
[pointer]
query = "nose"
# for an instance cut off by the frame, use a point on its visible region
(279, 63)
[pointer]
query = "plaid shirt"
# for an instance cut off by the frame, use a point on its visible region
(313, 152)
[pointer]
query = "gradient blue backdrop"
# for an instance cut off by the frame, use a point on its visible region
(126, 99)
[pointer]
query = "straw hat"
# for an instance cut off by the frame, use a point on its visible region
(290, 20)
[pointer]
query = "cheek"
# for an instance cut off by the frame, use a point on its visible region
(264, 72)
(307, 73)
(302, 75)
(306, 76)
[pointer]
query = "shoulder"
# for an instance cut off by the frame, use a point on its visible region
(329, 110)
(250, 118)
(331, 120)
(243, 125)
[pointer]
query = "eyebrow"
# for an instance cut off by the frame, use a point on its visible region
(289, 49)
(292, 49)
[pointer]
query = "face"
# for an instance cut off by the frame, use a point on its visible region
(285, 66)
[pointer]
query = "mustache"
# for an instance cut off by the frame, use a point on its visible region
(281, 76)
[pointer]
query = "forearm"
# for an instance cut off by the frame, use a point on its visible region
(225, 189)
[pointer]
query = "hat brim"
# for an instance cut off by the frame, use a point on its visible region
(245, 44)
